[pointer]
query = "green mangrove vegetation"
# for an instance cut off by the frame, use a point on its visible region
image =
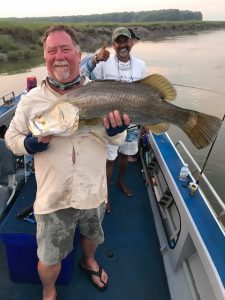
(22, 39)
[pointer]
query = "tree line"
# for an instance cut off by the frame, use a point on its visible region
(128, 17)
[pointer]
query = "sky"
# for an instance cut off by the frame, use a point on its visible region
(211, 9)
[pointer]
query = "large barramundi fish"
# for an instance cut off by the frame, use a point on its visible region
(146, 101)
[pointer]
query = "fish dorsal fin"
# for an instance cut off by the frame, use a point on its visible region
(159, 128)
(161, 85)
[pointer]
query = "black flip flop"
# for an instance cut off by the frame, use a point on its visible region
(98, 273)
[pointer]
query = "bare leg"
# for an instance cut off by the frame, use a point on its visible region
(89, 261)
(48, 275)
(123, 161)
(109, 171)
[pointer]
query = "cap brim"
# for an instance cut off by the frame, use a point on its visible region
(121, 34)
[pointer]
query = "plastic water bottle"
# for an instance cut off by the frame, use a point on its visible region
(184, 172)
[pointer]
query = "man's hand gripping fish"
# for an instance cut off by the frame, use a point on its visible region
(146, 101)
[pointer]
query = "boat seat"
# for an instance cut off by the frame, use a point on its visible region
(10, 179)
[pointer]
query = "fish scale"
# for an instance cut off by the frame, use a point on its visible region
(147, 102)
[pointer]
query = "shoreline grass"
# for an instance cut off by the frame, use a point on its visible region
(21, 39)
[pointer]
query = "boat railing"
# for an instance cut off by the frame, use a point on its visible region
(7, 98)
(216, 203)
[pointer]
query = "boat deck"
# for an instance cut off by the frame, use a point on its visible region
(130, 253)
(7, 109)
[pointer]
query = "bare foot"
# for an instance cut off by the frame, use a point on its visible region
(125, 190)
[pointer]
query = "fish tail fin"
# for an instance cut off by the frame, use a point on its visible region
(161, 85)
(202, 129)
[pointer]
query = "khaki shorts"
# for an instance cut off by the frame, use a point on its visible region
(55, 231)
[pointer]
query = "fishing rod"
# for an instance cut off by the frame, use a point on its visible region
(194, 185)
(199, 88)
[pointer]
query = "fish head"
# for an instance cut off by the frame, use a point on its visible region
(61, 120)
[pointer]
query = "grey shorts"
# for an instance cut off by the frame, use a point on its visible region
(55, 231)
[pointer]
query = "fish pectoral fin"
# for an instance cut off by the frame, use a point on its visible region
(90, 123)
(161, 85)
(159, 128)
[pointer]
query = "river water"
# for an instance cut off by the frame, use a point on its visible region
(194, 60)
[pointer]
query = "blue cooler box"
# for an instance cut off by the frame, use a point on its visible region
(21, 250)
(19, 238)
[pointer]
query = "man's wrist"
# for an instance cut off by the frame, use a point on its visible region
(32, 145)
(95, 60)
(90, 65)
(112, 131)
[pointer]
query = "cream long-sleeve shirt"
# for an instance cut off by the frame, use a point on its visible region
(72, 171)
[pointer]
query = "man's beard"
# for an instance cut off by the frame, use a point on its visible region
(124, 52)
(61, 73)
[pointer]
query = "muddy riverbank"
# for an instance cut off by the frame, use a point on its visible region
(20, 41)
